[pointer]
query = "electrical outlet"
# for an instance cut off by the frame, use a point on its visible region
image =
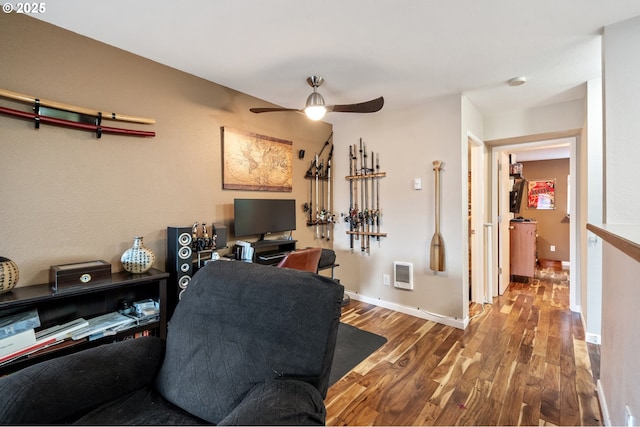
(629, 420)
(552, 248)
(386, 280)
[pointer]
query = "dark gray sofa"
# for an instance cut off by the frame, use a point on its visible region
(247, 344)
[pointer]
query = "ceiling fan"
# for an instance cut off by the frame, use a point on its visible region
(315, 107)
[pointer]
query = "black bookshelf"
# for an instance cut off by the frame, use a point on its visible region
(85, 302)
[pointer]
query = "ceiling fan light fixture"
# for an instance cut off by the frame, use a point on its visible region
(315, 109)
(315, 113)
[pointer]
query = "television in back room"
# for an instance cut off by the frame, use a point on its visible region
(253, 217)
(515, 196)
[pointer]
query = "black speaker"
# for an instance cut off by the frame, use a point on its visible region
(179, 262)
(220, 230)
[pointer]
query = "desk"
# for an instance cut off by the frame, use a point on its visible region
(331, 266)
(271, 252)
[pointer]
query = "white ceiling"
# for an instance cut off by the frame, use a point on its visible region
(551, 149)
(406, 50)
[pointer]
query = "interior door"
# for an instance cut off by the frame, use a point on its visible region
(504, 217)
(477, 266)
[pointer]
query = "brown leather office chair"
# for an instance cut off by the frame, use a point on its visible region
(304, 259)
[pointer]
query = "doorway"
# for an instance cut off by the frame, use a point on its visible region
(477, 179)
(500, 205)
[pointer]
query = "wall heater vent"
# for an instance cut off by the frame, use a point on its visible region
(403, 275)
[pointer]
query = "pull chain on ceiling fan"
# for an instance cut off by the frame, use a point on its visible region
(315, 107)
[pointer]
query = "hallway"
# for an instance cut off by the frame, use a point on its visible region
(522, 361)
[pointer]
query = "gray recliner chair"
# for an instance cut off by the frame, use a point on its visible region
(247, 344)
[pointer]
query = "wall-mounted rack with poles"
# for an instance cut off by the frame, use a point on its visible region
(318, 209)
(364, 211)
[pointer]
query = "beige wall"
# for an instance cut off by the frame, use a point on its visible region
(67, 196)
(620, 341)
(620, 377)
(553, 225)
(544, 119)
(408, 141)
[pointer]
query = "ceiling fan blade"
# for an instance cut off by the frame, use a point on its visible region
(270, 110)
(362, 107)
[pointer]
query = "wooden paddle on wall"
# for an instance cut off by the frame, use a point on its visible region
(437, 244)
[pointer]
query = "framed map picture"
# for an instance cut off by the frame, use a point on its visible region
(542, 194)
(255, 162)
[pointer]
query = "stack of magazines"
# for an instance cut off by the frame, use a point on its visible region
(144, 312)
(18, 336)
(104, 325)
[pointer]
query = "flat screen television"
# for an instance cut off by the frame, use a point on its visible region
(515, 196)
(263, 216)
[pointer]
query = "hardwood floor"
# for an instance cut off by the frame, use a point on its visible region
(521, 361)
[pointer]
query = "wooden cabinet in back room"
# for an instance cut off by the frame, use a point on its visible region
(523, 248)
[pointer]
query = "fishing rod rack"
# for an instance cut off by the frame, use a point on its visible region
(364, 197)
(318, 209)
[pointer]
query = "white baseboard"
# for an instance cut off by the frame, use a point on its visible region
(412, 311)
(592, 338)
(588, 336)
(603, 404)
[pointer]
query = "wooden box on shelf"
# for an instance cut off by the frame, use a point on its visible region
(69, 276)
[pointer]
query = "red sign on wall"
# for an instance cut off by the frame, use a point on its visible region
(542, 194)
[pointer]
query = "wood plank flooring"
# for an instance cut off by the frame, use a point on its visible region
(522, 360)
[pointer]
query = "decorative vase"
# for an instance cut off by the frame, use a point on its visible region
(138, 258)
(9, 275)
